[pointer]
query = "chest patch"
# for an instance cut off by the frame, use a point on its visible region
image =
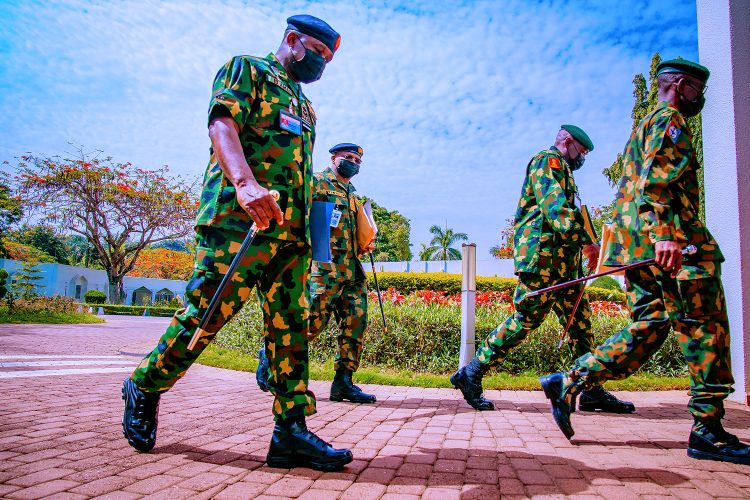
(674, 132)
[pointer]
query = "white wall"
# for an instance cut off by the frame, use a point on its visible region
(724, 47)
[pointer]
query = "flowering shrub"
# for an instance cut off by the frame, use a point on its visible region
(41, 303)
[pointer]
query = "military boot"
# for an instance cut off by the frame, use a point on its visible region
(597, 398)
(469, 381)
(293, 445)
(553, 389)
(709, 441)
(140, 416)
(342, 388)
(261, 374)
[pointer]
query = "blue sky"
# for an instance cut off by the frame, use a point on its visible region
(449, 99)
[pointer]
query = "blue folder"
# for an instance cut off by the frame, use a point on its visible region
(320, 230)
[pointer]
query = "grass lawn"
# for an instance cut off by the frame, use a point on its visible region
(38, 317)
(234, 360)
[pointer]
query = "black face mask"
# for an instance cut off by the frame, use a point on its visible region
(692, 108)
(347, 169)
(309, 68)
(578, 162)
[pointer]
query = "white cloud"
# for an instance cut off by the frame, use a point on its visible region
(449, 101)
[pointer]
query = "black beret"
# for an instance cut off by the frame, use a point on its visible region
(579, 135)
(685, 67)
(348, 147)
(316, 28)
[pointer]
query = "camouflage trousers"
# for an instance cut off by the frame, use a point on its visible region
(346, 301)
(694, 307)
(280, 272)
(530, 313)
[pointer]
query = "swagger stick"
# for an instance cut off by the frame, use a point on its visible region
(572, 315)
(688, 250)
(215, 300)
(377, 288)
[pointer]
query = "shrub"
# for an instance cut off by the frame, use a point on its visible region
(138, 310)
(424, 337)
(451, 283)
(94, 297)
(42, 303)
(607, 282)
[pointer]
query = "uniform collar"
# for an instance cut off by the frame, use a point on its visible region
(278, 68)
(331, 176)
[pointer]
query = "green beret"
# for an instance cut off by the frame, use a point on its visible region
(684, 67)
(579, 135)
(348, 147)
(316, 28)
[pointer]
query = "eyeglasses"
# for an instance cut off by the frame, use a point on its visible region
(353, 158)
(703, 91)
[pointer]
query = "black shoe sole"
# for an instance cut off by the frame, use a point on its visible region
(291, 462)
(705, 455)
(339, 399)
(591, 407)
(134, 444)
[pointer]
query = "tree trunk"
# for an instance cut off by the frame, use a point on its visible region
(116, 293)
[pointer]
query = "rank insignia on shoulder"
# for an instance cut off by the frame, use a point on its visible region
(554, 163)
(290, 122)
(674, 132)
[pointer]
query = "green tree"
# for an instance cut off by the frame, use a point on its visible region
(3, 283)
(10, 210)
(26, 280)
(645, 99)
(425, 253)
(82, 252)
(505, 249)
(392, 243)
(44, 238)
(442, 243)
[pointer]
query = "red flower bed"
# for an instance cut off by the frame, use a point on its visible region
(483, 299)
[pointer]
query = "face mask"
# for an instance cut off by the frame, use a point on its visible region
(309, 68)
(578, 162)
(692, 108)
(347, 169)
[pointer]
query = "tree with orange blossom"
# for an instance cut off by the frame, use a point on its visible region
(118, 208)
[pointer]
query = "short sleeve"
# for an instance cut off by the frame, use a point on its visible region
(234, 91)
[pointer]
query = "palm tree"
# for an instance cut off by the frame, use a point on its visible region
(425, 253)
(443, 242)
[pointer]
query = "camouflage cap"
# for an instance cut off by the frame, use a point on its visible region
(579, 135)
(347, 146)
(316, 28)
(685, 67)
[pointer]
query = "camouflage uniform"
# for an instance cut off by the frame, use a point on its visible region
(339, 288)
(658, 199)
(548, 235)
(253, 91)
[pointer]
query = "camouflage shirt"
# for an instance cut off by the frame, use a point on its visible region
(548, 232)
(659, 195)
(344, 254)
(256, 92)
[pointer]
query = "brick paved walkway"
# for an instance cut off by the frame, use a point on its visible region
(60, 435)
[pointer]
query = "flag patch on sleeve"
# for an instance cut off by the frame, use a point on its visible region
(674, 132)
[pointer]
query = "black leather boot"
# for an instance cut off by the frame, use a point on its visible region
(709, 441)
(261, 374)
(597, 398)
(342, 388)
(468, 380)
(140, 416)
(553, 389)
(293, 445)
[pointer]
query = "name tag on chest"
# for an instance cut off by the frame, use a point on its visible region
(335, 217)
(289, 122)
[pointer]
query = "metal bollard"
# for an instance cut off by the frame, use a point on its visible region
(468, 302)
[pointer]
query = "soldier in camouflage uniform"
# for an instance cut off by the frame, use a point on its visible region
(656, 215)
(339, 288)
(548, 236)
(262, 129)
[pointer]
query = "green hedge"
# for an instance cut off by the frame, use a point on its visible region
(94, 297)
(426, 338)
(451, 283)
(137, 310)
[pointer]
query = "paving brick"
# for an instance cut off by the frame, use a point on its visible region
(44, 489)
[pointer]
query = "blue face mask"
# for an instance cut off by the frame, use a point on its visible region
(309, 68)
(347, 169)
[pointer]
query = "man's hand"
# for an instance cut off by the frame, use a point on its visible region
(591, 252)
(669, 256)
(259, 204)
(369, 248)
